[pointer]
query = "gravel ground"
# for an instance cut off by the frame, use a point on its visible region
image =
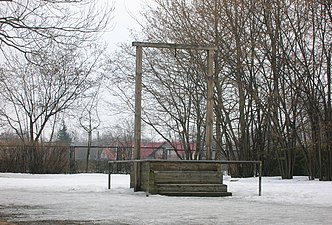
(7, 218)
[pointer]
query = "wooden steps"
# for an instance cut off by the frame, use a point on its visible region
(183, 179)
(198, 194)
(190, 183)
(191, 188)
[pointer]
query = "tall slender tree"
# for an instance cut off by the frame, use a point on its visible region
(272, 79)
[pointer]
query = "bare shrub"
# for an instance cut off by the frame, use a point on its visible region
(34, 158)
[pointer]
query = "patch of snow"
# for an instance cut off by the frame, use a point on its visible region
(85, 197)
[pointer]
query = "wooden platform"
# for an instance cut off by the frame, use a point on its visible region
(182, 178)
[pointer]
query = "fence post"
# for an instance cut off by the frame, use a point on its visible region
(109, 175)
(260, 179)
(72, 159)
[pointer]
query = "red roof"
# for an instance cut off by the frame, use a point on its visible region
(149, 148)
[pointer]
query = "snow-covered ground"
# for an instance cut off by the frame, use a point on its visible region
(85, 197)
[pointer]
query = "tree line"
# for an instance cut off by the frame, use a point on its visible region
(272, 96)
(52, 64)
(272, 76)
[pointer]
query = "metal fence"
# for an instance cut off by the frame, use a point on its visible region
(100, 155)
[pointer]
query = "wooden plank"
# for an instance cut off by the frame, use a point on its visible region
(138, 103)
(191, 188)
(189, 177)
(144, 174)
(209, 106)
(177, 166)
(198, 194)
(138, 109)
(173, 46)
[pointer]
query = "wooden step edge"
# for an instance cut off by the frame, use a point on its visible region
(187, 171)
(157, 182)
(197, 194)
(191, 184)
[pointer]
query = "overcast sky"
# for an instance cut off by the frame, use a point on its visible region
(124, 15)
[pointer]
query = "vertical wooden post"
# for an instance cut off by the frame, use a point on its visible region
(260, 178)
(209, 113)
(138, 113)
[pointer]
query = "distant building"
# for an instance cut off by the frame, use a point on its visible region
(149, 150)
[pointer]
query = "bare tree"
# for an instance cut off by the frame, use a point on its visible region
(89, 119)
(28, 26)
(53, 36)
(311, 63)
(34, 94)
(272, 79)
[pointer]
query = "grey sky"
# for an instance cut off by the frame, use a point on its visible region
(123, 20)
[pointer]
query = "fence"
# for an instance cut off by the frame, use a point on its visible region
(100, 155)
(54, 158)
(34, 158)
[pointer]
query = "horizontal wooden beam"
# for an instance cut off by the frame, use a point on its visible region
(174, 46)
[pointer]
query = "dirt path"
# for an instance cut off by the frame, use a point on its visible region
(5, 223)
(45, 222)
(5, 219)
